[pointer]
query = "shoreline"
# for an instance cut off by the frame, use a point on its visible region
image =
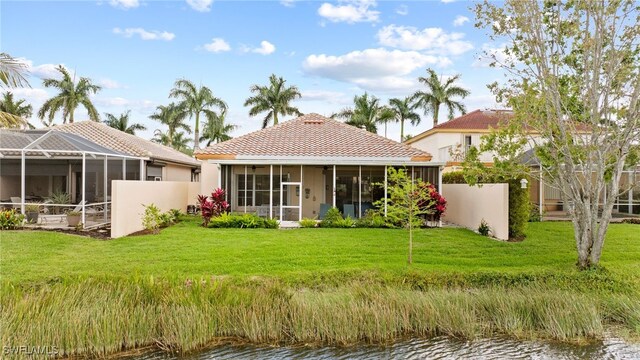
(100, 317)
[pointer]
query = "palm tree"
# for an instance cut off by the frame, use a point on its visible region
(12, 74)
(404, 109)
(215, 130)
(122, 123)
(71, 95)
(178, 140)
(273, 99)
(195, 101)
(173, 116)
(439, 93)
(16, 111)
(366, 114)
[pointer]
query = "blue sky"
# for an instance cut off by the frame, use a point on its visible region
(332, 51)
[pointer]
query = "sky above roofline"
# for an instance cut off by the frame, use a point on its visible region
(332, 51)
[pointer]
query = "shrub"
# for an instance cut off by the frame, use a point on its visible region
(58, 197)
(248, 221)
(32, 208)
(347, 222)
(152, 218)
(10, 219)
(534, 213)
(308, 223)
(435, 204)
(372, 219)
(330, 218)
(453, 177)
(212, 206)
(484, 228)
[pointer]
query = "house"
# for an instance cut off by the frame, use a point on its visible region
(162, 163)
(79, 161)
(450, 140)
(302, 167)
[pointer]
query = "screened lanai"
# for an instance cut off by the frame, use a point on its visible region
(55, 173)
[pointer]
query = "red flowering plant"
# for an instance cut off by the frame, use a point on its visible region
(212, 206)
(436, 204)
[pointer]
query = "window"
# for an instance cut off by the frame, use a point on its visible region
(467, 143)
(257, 193)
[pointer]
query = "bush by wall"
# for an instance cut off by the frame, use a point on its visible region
(248, 221)
(332, 216)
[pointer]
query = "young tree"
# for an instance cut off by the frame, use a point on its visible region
(409, 199)
(440, 93)
(274, 99)
(71, 95)
(121, 123)
(574, 82)
(195, 101)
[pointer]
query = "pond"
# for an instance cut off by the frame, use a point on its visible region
(435, 348)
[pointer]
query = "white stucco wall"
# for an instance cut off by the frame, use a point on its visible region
(209, 177)
(173, 172)
(468, 205)
(128, 197)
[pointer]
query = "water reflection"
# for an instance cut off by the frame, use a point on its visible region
(436, 348)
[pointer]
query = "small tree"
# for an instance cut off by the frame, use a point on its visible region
(408, 200)
(212, 206)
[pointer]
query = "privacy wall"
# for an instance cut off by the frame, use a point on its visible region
(128, 199)
(468, 205)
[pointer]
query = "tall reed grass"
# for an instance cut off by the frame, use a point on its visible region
(100, 317)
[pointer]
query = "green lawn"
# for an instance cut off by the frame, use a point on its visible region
(187, 250)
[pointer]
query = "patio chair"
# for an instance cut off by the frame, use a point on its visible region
(349, 210)
(323, 210)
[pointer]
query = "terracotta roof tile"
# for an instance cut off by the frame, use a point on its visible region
(313, 135)
(125, 143)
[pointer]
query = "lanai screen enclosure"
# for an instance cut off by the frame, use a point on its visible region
(37, 164)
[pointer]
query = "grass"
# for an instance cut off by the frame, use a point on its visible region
(188, 285)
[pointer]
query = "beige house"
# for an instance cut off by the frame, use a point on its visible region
(302, 167)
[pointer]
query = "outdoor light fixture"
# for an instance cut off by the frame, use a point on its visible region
(523, 183)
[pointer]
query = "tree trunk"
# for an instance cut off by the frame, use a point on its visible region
(275, 118)
(402, 130)
(436, 110)
(71, 117)
(196, 133)
(410, 260)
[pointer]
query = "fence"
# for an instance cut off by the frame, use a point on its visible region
(468, 205)
(130, 197)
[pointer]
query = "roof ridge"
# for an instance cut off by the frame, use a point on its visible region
(459, 118)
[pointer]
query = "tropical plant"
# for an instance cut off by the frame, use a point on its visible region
(440, 93)
(179, 141)
(195, 101)
(72, 94)
(122, 123)
(12, 74)
(10, 219)
(331, 217)
(404, 109)
(152, 217)
(173, 116)
(212, 206)
(215, 130)
(274, 99)
(15, 111)
(366, 113)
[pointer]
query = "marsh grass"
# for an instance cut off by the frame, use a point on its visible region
(97, 317)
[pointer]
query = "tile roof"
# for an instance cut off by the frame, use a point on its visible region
(125, 143)
(312, 136)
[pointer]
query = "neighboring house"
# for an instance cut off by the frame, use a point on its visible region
(302, 167)
(162, 163)
(450, 140)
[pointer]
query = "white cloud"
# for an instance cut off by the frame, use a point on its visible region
(434, 40)
(447, 1)
(350, 11)
(46, 71)
(32, 95)
(378, 69)
(200, 5)
(144, 34)
(491, 54)
(265, 48)
(288, 3)
(109, 84)
(125, 4)
(402, 10)
(460, 20)
(217, 45)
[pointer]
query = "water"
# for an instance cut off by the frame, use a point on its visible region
(436, 348)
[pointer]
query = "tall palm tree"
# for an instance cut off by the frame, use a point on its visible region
(173, 116)
(439, 93)
(366, 113)
(17, 111)
(71, 95)
(122, 123)
(12, 75)
(274, 99)
(404, 109)
(177, 140)
(196, 100)
(215, 130)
